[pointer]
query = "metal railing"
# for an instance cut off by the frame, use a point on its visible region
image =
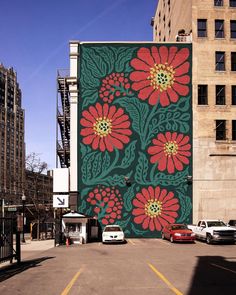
(7, 250)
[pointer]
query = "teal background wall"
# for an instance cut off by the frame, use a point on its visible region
(135, 135)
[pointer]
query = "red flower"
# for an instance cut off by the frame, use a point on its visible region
(155, 208)
(106, 127)
(107, 203)
(170, 151)
(161, 74)
(114, 85)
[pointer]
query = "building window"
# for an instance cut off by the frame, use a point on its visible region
(233, 94)
(232, 3)
(219, 28)
(220, 94)
(220, 61)
(233, 29)
(202, 28)
(218, 2)
(220, 129)
(233, 61)
(234, 130)
(202, 95)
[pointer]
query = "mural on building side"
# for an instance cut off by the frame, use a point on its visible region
(135, 135)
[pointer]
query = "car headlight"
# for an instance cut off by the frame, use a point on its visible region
(177, 235)
(192, 234)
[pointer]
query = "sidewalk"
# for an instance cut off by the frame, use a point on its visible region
(30, 248)
(41, 245)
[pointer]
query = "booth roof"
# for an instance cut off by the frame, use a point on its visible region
(74, 214)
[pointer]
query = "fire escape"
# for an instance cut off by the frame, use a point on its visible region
(63, 119)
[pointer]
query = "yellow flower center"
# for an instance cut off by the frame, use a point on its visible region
(161, 76)
(153, 208)
(102, 126)
(170, 148)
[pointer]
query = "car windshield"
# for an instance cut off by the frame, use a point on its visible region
(180, 226)
(232, 222)
(215, 223)
(112, 228)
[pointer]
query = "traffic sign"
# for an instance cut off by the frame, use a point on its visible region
(60, 201)
(12, 209)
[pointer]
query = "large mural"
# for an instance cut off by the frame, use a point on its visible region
(135, 135)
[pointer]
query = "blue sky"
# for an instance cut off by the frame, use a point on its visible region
(35, 39)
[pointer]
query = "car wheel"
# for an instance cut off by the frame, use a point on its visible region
(171, 239)
(208, 239)
(163, 236)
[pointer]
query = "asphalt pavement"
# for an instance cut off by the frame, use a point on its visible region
(140, 266)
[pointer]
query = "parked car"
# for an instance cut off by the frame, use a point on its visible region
(232, 223)
(113, 233)
(178, 233)
(213, 231)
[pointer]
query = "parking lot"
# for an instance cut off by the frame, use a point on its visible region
(140, 266)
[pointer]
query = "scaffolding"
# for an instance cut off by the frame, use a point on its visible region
(63, 119)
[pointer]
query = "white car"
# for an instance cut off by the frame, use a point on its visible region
(113, 233)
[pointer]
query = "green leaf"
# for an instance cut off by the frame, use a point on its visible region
(86, 166)
(108, 56)
(84, 149)
(85, 191)
(186, 207)
(137, 110)
(97, 165)
(83, 206)
(123, 223)
(124, 55)
(141, 169)
(95, 63)
(89, 99)
(87, 80)
(169, 179)
(128, 197)
(136, 231)
(106, 161)
(129, 155)
(115, 180)
(184, 127)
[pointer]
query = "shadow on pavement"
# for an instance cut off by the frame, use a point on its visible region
(214, 275)
(14, 269)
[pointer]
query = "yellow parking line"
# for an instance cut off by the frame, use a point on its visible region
(223, 268)
(164, 279)
(71, 283)
(131, 242)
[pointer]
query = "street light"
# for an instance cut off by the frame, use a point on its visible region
(23, 198)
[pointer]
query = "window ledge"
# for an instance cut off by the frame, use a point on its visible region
(223, 155)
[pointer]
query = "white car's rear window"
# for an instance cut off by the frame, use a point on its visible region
(113, 228)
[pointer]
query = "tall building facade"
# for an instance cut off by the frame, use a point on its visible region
(211, 27)
(12, 143)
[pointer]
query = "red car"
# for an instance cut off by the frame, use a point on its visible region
(178, 233)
